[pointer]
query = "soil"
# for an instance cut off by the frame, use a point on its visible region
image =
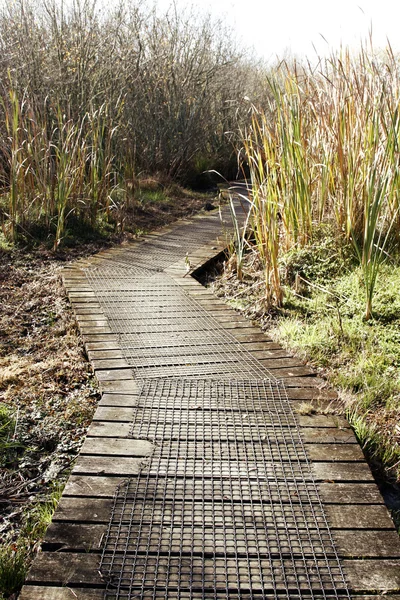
(48, 392)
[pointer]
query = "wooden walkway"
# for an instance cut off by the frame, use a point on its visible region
(162, 491)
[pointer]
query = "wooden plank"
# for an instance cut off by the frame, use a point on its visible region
(90, 317)
(367, 544)
(331, 472)
(105, 429)
(373, 575)
(351, 517)
(116, 413)
(278, 363)
(274, 353)
(39, 592)
(125, 386)
(353, 543)
(108, 344)
(64, 569)
(328, 435)
(105, 413)
(99, 354)
(94, 330)
(78, 537)
(322, 421)
(109, 364)
(100, 337)
(334, 452)
(331, 492)
(124, 400)
(105, 465)
(92, 486)
(292, 372)
(117, 447)
(303, 393)
(298, 382)
(98, 510)
(75, 569)
(349, 493)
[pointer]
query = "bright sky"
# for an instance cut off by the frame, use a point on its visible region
(274, 27)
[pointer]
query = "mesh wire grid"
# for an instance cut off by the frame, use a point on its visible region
(227, 506)
(203, 522)
(163, 332)
(156, 253)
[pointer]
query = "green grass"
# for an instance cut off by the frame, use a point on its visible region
(325, 325)
(12, 570)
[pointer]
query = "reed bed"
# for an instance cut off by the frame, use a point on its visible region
(92, 97)
(325, 148)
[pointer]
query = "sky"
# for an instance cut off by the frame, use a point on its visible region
(304, 27)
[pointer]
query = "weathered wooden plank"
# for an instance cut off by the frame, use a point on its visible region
(302, 393)
(74, 537)
(367, 544)
(107, 344)
(87, 310)
(124, 400)
(331, 492)
(334, 452)
(117, 413)
(125, 386)
(64, 569)
(105, 413)
(292, 372)
(105, 429)
(342, 472)
(92, 486)
(32, 592)
(345, 516)
(100, 337)
(298, 382)
(328, 435)
(90, 317)
(114, 374)
(109, 364)
(75, 569)
(322, 421)
(117, 447)
(94, 330)
(99, 354)
(273, 354)
(38, 592)
(353, 543)
(278, 363)
(98, 510)
(350, 493)
(373, 575)
(106, 465)
(309, 435)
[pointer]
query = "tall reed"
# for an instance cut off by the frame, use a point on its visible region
(57, 166)
(325, 147)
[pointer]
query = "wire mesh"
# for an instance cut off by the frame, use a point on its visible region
(156, 253)
(227, 506)
(210, 516)
(163, 332)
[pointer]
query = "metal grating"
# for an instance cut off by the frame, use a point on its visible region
(156, 253)
(218, 519)
(163, 332)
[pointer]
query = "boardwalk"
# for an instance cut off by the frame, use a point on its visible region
(200, 477)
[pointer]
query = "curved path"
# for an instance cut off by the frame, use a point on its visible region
(200, 476)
